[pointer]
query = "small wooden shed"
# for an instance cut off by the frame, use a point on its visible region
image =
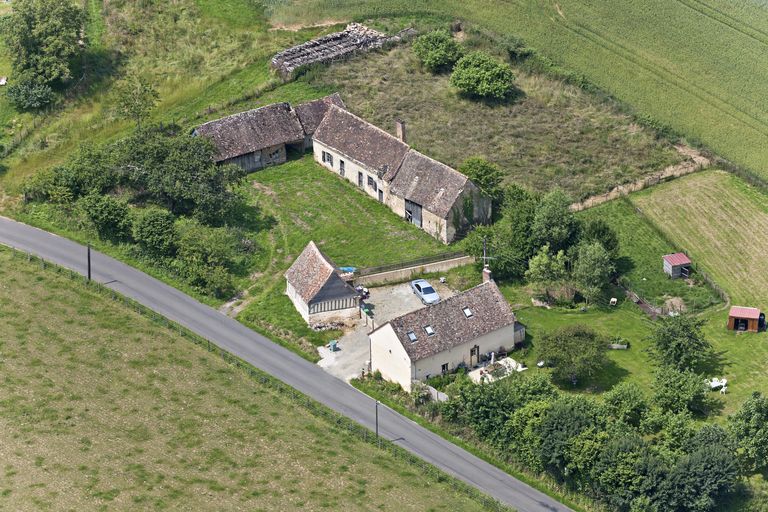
(677, 265)
(743, 319)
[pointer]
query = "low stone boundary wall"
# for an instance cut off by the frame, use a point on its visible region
(404, 274)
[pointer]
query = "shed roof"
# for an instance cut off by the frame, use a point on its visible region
(361, 141)
(743, 312)
(310, 114)
(425, 181)
(315, 278)
(676, 259)
(253, 130)
(488, 310)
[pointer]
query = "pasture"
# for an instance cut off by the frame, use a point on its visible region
(104, 409)
(699, 66)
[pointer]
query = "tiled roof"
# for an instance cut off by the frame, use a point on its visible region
(677, 259)
(742, 312)
(254, 130)
(315, 278)
(310, 114)
(425, 181)
(361, 141)
(488, 309)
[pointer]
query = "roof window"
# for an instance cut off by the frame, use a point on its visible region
(429, 330)
(468, 313)
(412, 336)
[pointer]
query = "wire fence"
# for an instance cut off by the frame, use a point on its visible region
(339, 421)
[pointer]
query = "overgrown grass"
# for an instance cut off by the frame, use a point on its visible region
(550, 135)
(102, 408)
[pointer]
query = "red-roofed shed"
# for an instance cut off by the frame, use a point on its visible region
(744, 319)
(677, 265)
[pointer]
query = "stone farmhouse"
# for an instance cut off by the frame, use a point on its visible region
(431, 195)
(436, 339)
(318, 291)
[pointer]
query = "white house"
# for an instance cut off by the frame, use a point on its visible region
(317, 290)
(436, 339)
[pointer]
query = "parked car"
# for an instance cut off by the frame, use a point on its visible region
(425, 292)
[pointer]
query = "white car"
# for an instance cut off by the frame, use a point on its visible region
(425, 292)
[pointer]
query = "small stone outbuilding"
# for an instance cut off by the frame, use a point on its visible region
(677, 265)
(318, 291)
(436, 339)
(310, 114)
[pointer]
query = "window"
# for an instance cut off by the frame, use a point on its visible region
(468, 312)
(330, 159)
(429, 330)
(327, 158)
(444, 368)
(360, 179)
(381, 196)
(412, 336)
(372, 183)
(341, 167)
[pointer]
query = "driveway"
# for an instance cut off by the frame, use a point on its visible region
(353, 351)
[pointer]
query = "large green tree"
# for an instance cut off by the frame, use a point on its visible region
(554, 222)
(750, 427)
(677, 391)
(679, 342)
(477, 74)
(486, 175)
(592, 270)
(574, 351)
(43, 37)
(437, 50)
(547, 270)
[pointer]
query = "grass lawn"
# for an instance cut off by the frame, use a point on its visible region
(551, 135)
(102, 408)
(697, 65)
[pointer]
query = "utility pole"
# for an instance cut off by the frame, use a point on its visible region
(378, 442)
(89, 262)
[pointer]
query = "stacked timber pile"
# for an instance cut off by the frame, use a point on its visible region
(339, 45)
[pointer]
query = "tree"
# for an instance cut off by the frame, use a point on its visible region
(575, 352)
(750, 427)
(486, 175)
(155, 233)
(680, 343)
(480, 75)
(676, 391)
(554, 222)
(437, 50)
(699, 481)
(546, 270)
(626, 402)
(111, 217)
(597, 230)
(135, 98)
(29, 92)
(43, 36)
(592, 270)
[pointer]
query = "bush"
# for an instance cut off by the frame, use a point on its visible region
(29, 92)
(154, 231)
(437, 50)
(677, 391)
(111, 217)
(575, 351)
(480, 75)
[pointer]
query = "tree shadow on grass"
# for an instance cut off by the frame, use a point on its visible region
(715, 364)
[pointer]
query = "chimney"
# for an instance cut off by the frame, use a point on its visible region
(400, 130)
(487, 274)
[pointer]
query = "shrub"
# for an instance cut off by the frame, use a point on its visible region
(437, 50)
(154, 231)
(677, 391)
(111, 217)
(28, 92)
(480, 75)
(626, 403)
(750, 427)
(575, 351)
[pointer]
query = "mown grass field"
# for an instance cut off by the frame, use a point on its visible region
(103, 409)
(698, 65)
(551, 135)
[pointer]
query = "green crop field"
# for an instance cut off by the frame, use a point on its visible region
(699, 65)
(103, 409)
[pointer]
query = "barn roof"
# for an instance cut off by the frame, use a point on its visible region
(425, 181)
(676, 259)
(315, 278)
(361, 141)
(743, 312)
(487, 311)
(253, 130)
(310, 114)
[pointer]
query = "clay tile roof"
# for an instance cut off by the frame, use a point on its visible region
(360, 140)
(490, 312)
(677, 259)
(315, 278)
(742, 312)
(425, 181)
(253, 130)
(310, 114)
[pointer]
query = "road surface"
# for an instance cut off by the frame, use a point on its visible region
(283, 364)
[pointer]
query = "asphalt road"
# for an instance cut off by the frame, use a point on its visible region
(279, 362)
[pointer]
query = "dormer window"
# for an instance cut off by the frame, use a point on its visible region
(429, 330)
(468, 312)
(412, 336)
